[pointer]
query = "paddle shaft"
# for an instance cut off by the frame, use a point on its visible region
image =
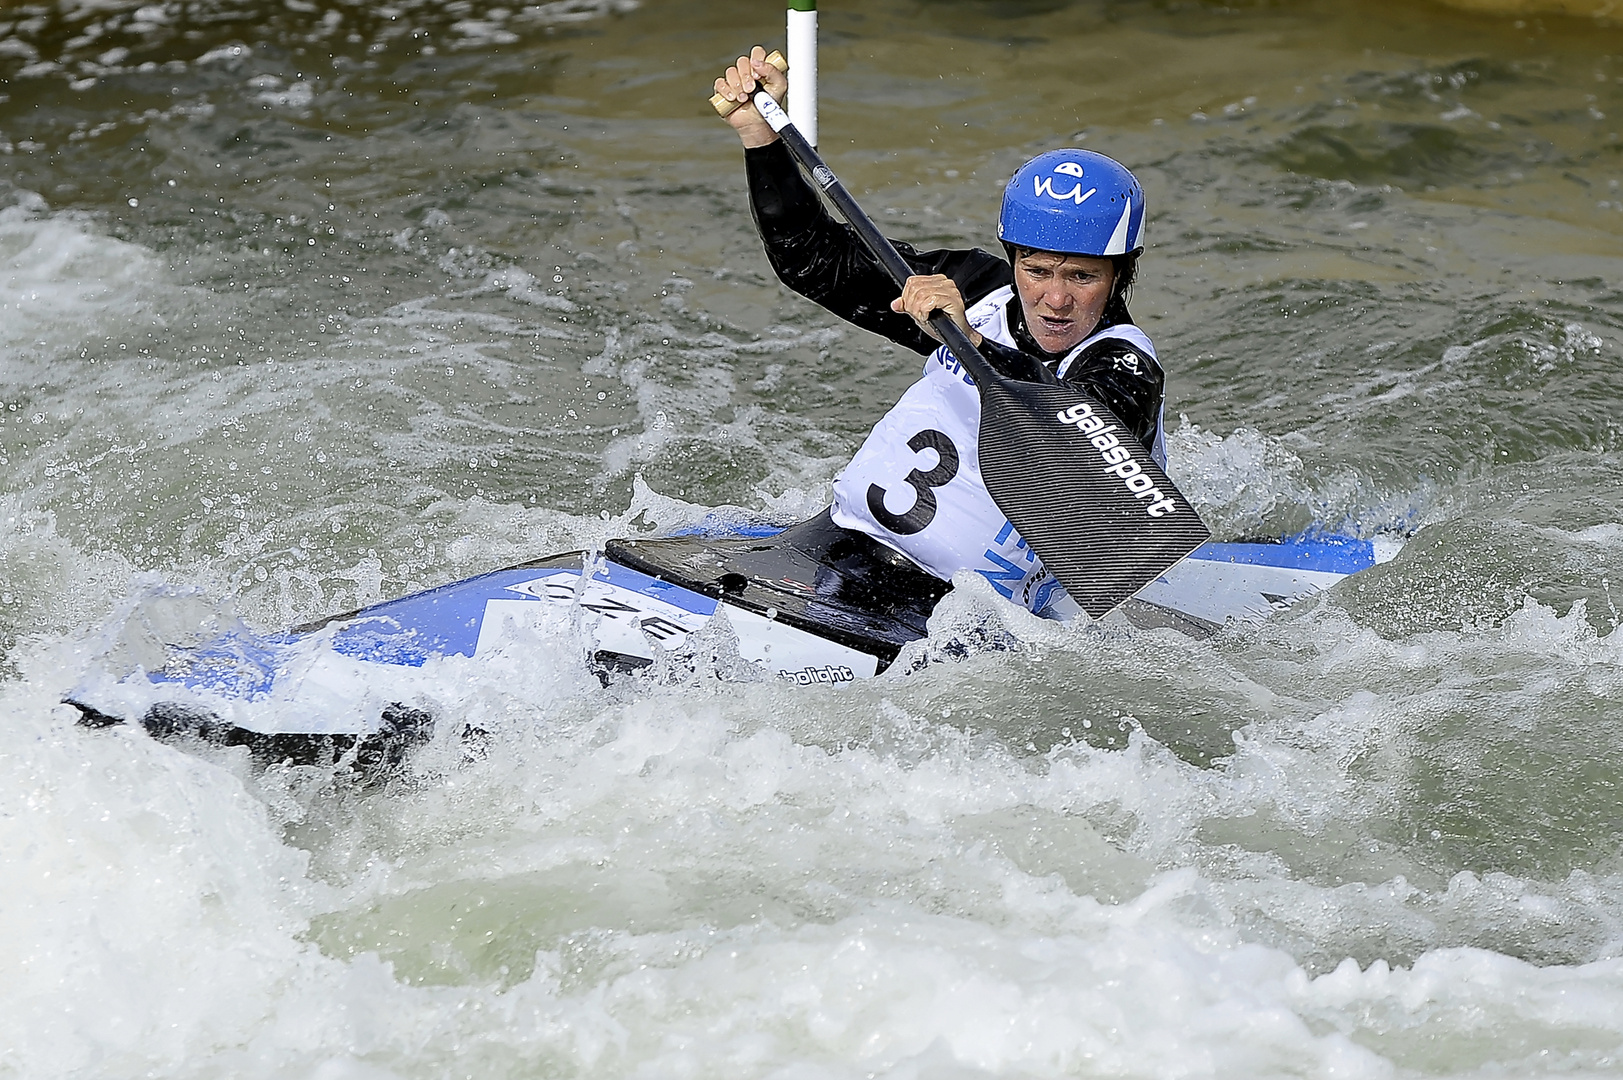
(875, 241)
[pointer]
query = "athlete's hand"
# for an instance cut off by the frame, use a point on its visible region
(923, 295)
(740, 83)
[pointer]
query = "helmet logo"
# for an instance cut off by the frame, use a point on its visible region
(1069, 168)
(1044, 185)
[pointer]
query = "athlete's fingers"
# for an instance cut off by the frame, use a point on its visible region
(943, 299)
(738, 84)
(775, 81)
(731, 83)
(924, 284)
(923, 294)
(759, 71)
(911, 301)
(907, 303)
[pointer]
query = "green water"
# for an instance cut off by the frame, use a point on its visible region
(309, 305)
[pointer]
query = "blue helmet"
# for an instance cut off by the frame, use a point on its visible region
(1073, 201)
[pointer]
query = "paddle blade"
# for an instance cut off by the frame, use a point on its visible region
(1104, 527)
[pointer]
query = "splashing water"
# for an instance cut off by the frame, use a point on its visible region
(303, 306)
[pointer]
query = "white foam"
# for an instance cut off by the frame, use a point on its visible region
(62, 283)
(47, 584)
(692, 877)
(1248, 483)
(693, 413)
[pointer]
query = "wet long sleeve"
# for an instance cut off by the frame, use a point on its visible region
(1130, 383)
(821, 258)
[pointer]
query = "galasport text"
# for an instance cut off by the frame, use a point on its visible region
(1117, 461)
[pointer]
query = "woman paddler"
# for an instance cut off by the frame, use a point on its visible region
(1072, 223)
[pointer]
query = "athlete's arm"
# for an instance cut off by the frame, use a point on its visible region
(1126, 380)
(822, 259)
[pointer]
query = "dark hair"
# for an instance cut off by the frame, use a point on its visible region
(1124, 274)
(1115, 311)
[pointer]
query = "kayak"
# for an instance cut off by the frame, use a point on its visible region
(811, 604)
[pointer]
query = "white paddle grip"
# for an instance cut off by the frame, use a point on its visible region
(769, 110)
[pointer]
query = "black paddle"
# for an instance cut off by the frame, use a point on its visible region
(1074, 480)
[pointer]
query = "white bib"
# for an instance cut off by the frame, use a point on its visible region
(915, 485)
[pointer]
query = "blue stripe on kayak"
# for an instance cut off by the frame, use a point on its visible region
(675, 595)
(408, 631)
(743, 532)
(1323, 552)
(234, 665)
(438, 622)
(446, 620)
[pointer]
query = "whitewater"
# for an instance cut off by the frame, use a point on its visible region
(308, 306)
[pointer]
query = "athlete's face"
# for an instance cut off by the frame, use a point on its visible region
(1062, 295)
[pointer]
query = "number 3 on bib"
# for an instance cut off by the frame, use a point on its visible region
(919, 516)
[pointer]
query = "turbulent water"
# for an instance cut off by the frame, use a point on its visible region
(306, 305)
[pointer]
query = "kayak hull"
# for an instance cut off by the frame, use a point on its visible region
(808, 605)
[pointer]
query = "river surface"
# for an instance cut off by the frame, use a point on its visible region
(306, 305)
